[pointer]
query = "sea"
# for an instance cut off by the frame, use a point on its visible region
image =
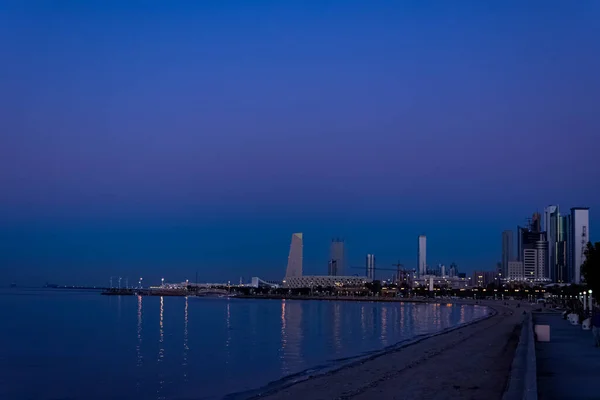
(71, 344)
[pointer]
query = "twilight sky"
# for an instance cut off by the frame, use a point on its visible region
(170, 138)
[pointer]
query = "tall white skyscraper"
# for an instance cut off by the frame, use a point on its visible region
(580, 225)
(370, 267)
(422, 256)
(294, 266)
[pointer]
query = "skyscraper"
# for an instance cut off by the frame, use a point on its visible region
(564, 250)
(338, 255)
(453, 270)
(551, 226)
(507, 250)
(520, 231)
(530, 265)
(536, 222)
(370, 266)
(294, 266)
(422, 255)
(568, 229)
(332, 268)
(580, 225)
(534, 251)
(541, 247)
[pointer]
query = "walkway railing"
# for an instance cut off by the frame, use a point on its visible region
(523, 376)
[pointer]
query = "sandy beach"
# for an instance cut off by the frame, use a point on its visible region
(471, 362)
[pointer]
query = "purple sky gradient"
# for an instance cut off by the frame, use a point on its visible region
(471, 113)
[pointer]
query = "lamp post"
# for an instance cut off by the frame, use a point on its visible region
(584, 301)
(162, 282)
(590, 299)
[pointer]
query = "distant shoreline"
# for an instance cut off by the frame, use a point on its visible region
(361, 299)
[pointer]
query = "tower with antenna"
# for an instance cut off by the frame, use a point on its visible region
(580, 226)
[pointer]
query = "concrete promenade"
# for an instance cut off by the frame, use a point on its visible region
(472, 362)
(568, 367)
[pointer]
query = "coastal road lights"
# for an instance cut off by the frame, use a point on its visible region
(590, 299)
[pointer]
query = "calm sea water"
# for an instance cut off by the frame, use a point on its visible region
(60, 344)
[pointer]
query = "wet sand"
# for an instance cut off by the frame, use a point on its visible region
(471, 362)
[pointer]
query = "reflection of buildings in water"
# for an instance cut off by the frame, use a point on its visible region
(384, 316)
(227, 333)
(161, 349)
(363, 322)
(284, 339)
(185, 340)
(253, 311)
(138, 347)
(437, 316)
(337, 342)
(374, 319)
(402, 316)
(416, 310)
(291, 335)
(447, 316)
(462, 314)
(393, 324)
(161, 332)
(119, 307)
(139, 332)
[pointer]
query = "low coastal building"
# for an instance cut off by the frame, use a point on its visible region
(515, 271)
(308, 281)
(450, 282)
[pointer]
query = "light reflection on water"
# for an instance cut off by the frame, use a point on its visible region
(161, 352)
(140, 357)
(291, 335)
(155, 347)
(383, 335)
(185, 342)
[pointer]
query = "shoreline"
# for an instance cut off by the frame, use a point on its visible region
(286, 382)
(489, 343)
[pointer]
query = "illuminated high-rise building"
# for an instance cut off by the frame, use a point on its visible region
(370, 266)
(294, 265)
(422, 255)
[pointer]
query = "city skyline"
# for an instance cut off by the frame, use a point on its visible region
(163, 141)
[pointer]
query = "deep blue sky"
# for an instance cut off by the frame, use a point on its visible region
(168, 138)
